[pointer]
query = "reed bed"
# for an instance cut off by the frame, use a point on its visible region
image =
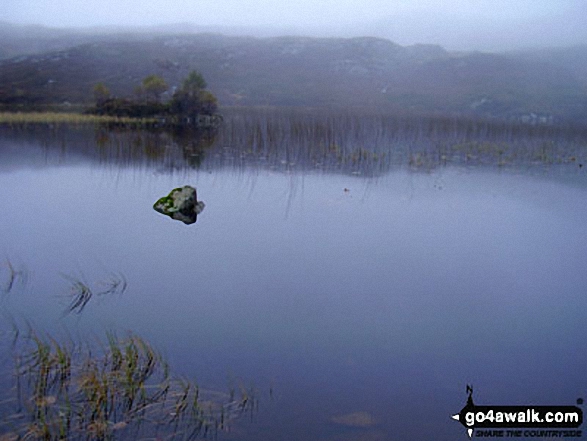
(287, 140)
(371, 144)
(121, 390)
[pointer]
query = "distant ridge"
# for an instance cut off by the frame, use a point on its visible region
(362, 72)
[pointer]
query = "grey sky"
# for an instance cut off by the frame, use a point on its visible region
(456, 24)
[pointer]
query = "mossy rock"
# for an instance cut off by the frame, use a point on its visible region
(180, 204)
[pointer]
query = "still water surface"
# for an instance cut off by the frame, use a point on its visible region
(359, 305)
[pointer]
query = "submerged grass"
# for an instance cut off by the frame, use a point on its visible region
(123, 390)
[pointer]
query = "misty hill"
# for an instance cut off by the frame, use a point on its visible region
(573, 58)
(17, 40)
(300, 71)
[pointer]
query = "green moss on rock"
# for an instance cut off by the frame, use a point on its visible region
(181, 204)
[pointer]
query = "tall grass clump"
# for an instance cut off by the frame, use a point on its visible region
(121, 390)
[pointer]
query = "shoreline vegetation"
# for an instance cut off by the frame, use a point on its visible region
(190, 106)
(213, 120)
(50, 118)
(24, 118)
(202, 121)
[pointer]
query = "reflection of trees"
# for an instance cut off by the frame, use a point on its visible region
(173, 147)
(194, 144)
(161, 148)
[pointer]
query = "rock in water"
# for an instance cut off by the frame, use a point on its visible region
(180, 204)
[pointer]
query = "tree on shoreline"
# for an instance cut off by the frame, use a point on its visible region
(192, 99)
(154, 86)
(101, 93)
(188, 105)
(194, 82)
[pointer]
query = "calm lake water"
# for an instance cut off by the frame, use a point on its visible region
(357, 274)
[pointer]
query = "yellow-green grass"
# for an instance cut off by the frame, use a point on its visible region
(21, 118)
(121, 389)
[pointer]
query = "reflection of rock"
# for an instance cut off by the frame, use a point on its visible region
(180, 204)
(361, 435)
(356, 419)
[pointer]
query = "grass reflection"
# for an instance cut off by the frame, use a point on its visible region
(11, 276)
(81, 293)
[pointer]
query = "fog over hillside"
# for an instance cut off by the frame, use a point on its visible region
(364, 72)
(489, 25)
(490, 58)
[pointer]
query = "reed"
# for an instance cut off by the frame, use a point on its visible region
(11, 276)
(123, 390)
(81, 293)
(350, 143)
